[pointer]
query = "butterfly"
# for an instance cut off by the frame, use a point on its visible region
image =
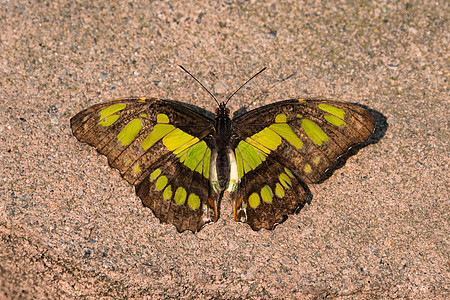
(182, 161)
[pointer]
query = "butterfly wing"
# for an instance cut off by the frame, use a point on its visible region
(282, 147)
(161, 147)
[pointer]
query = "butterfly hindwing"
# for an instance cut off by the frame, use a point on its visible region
(268, 194)
(281, 147)
(187, 197)
(162, 148)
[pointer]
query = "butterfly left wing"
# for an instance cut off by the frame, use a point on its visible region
(281, 147)
(163, 149)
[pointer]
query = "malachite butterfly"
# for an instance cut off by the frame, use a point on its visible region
(181, 161)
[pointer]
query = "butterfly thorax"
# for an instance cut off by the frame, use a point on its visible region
(222, 127)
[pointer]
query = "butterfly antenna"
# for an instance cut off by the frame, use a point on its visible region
(274, 85)
(218, 79)
(262, 70)
(199, 83)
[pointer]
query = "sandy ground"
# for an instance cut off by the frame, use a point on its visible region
(71, 227)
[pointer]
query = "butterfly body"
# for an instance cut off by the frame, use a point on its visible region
(181, 162)
(222, 153)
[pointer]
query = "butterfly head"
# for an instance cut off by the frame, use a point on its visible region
(222, 110)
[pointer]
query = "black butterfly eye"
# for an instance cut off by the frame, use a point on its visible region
(228, 111)
(217, 111)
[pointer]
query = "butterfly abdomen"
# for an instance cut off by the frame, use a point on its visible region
(223, 168)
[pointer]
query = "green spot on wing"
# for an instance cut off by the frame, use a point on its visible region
(176, 139)
(188, 149)
(307, 168)
(254, 200)
(206, 163)
(262, 155)
(161, 183)
(333, 120)
(249, 155)
(199, 167)
(257, 145)
(266, 138)
(156, 134)
(279, 191)
(180, 196)
(195, 155)
(194, 201)
(332, 110)
(167, 194)
(289, 172)
(129, 132)
(155, 174)
(186, 145)
(182, 155)
(111, 109)
(266, 194)
(239, 163)
(109, 120)
(285, 181)
(314, 132)
(162, 118)
(286, 132)
(281, 118)
(247, 167)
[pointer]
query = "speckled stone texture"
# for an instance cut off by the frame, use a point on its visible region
(71, 227)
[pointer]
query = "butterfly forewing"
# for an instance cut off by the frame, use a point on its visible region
(281, 147)
(161, 147)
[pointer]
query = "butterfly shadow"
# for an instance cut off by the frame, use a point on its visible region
(200, 110)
